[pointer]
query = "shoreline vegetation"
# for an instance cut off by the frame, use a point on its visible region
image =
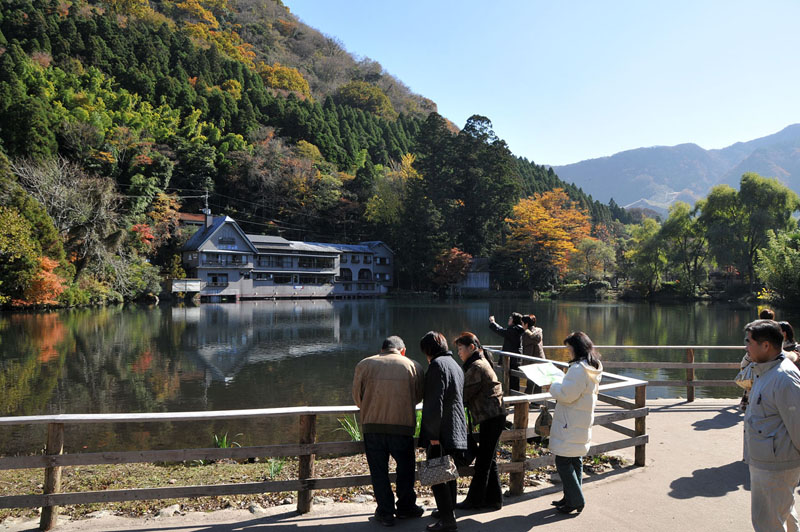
(119, 118)
(92, 478)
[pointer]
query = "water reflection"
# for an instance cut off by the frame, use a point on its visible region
(271, 354)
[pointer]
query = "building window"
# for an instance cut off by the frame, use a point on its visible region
(261, 276)
(213, 258)
(315, 263)
(282, 279)
(271, 261)
(343, 259)
(355, 259)
(217, 279)
(364, 275)
(346, 274)
(367, 259)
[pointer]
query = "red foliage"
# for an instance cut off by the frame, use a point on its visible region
(143, 362)
(45, 287)
(451, 267)
(144, 233)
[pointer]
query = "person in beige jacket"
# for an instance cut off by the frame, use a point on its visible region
(571, 433)
(387, 388)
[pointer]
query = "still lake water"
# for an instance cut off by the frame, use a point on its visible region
(286, 353)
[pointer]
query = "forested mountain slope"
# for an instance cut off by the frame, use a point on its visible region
(140, 109)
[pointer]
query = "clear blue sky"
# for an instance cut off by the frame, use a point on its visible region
(564, 81)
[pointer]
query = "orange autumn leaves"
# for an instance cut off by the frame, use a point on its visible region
(547, 228)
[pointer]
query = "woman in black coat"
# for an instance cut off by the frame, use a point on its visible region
(512, 342)
(443, 428)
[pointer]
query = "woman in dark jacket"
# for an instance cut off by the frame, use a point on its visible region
(483, 395)
(512, 342)
(531, 346)
(443, 428)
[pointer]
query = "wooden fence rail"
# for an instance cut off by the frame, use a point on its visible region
(690, 365)
(307, 449)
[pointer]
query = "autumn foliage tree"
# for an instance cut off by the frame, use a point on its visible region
(545, 230)
(451, 267)
(45, 286)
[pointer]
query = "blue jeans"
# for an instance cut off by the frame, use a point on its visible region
(378, 448)
(570, 469)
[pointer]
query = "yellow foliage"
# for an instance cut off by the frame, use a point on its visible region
(548, 227)
(195, 11)
(229, 42)
(278, 76)
(234, 88)
(405, 169)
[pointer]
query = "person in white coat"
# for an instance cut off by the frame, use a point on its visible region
(571, 432)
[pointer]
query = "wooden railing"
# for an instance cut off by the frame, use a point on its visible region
(306, 449)
(690, 365)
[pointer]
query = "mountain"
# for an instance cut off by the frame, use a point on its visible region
(656, 177)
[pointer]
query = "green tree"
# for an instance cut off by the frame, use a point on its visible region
(686, 246)
(19, 255)
(647, 256)
(365, 96)
(738, 223)
(778, 266)
(592, 259)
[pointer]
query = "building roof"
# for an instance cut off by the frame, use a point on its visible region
(263, 242)
(376, 243)
(260, 241)
(187, 217)
(479, 264)
(205, 232)
(348, 248)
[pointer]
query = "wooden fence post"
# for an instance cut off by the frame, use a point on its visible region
(690, 375)
(506, 375)
(308, 434)
(518, 448)
(52, 475)
(640, 425)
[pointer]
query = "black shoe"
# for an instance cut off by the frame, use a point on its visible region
(465, 505)
(385, 520)
(492, 507)
(441, 526)
(561, 502)
(569, 509)
(436, 514)
(416, 511)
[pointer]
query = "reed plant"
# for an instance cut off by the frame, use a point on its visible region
(349, 424)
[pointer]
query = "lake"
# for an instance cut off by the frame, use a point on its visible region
(287, 353)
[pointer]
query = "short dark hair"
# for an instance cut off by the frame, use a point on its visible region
(529, 320)
(393, 342)
(765, 331)
(766, 314)
(516, 318)
(583, 348)
(433, 343)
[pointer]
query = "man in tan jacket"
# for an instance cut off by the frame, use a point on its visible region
(386, 388)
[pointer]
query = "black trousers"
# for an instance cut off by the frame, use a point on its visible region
(378, 448)
(485, 490)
